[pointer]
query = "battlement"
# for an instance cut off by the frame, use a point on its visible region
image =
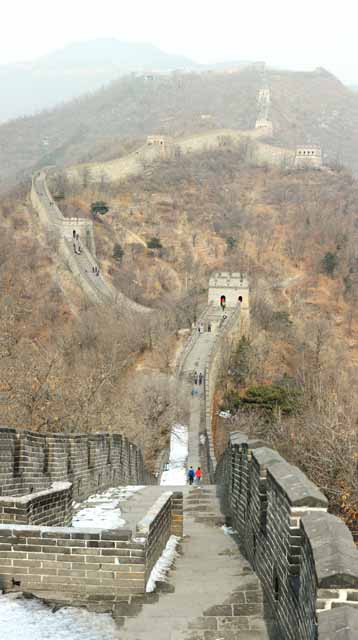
(232, 287)
(308, 156)
(304, 556)
(158, 140)
(32, 462)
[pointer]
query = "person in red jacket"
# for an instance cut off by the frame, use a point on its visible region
(198, 475)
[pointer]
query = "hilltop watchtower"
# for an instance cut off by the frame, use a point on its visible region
(229, 289)
(163, 144)
(308, 156)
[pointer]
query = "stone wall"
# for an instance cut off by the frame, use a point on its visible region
(305, 557)
(135, 163)
(235, 325)
(31, 462)
(87, 565)
(96, 287)
(308, 156)
(164, 519)
(49, 507)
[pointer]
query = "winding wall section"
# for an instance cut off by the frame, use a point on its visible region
(96, 287)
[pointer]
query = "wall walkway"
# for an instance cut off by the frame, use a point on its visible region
(96, 287)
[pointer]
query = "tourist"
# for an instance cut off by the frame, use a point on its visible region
(200, 378)
(196, 377)
(74, 234)
(209, 327)
(198, 475)
(191, 475)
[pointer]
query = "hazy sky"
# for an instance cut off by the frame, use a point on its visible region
(302, 34)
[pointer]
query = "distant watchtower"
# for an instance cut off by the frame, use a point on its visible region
(308, 156)
(164, 144)
(228, 289)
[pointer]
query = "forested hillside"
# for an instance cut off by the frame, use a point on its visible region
(296, 235)
(313, 107)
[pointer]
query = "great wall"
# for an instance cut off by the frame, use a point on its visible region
(289, 569)
(158, 147)
(306, 564)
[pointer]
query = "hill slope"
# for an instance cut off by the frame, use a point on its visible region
(75, 70)
(304, 107)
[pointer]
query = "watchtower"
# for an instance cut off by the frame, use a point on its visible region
(228, 290)
(308, 156)
(163, 144)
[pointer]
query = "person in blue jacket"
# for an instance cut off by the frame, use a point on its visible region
(191, 475)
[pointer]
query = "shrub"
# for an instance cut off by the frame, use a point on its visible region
(154, 243)
(118, 252)
(268, 398)
(99, 207)
(329, 263)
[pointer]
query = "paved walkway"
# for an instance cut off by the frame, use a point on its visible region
(215, 594)
(196, 361)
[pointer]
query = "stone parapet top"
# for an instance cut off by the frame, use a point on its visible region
(145, 523)
(32, 531)
(300, 491)
(238, 438)
(55, 488)
(341, 622)
(333, 549)
(265, 456)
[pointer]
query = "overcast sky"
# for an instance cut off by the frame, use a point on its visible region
(299, 35)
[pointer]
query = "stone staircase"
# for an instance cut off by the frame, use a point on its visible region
(212, 592)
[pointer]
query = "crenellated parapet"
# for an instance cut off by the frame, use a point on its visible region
(305, 557)
(36, 468)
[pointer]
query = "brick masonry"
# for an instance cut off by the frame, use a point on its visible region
(32, 462)
(164, 519)
(87, 566)
(49, 507)
(305, 557)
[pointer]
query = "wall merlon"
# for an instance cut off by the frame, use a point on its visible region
(305, 557)
(299, 490)
(335, 555)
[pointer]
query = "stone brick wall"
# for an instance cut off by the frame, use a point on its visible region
(87, 565)
(49, 507)
(233, 327)
(82, 562)
(305, 557)
(159, 524)
(31, 462)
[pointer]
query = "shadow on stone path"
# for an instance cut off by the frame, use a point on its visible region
(213, 594)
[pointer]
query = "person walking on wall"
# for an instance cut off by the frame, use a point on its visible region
(198, 475)
(191, 475)
(195, 377)
(200, 378)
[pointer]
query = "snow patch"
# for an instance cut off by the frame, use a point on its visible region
(102, 510)
(176, 472)
(22, 619)
(162, 566)
(229, 531)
